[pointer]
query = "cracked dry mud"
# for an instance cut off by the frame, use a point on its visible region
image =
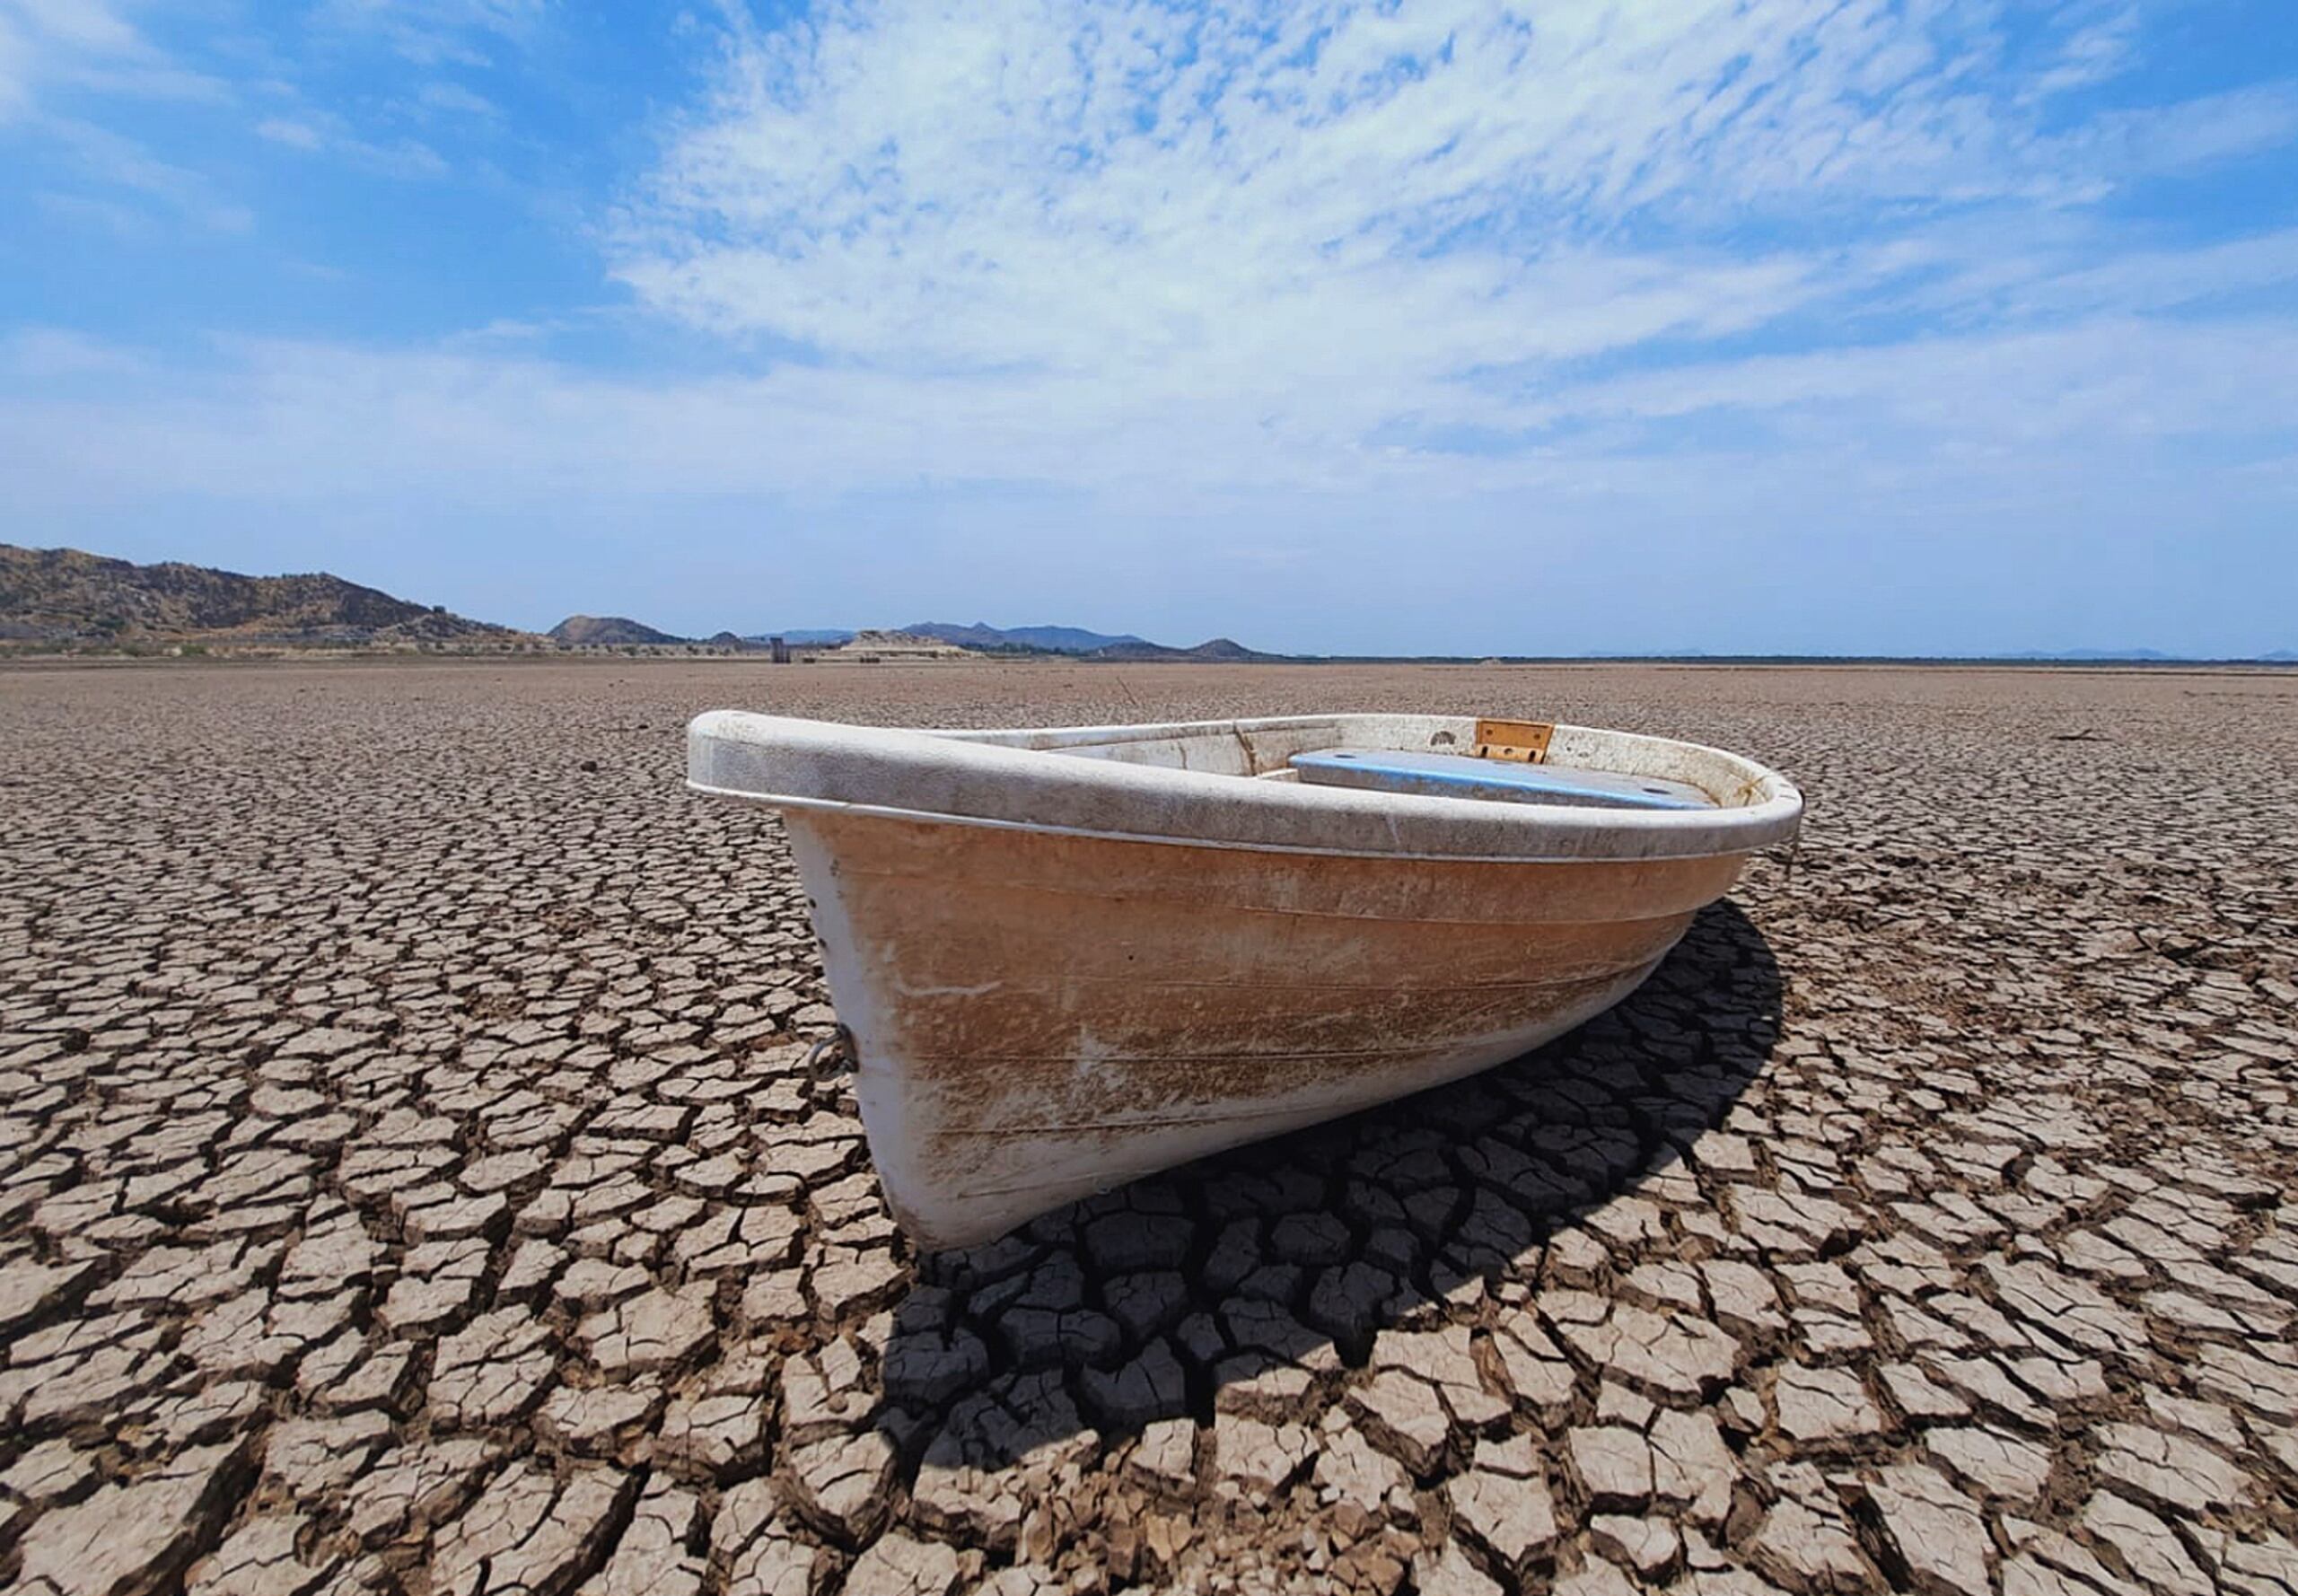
(409, 1182)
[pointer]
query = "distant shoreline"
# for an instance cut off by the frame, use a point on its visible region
(263, 655)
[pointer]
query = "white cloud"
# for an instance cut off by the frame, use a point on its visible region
(92, 26)
(1324, 248)
(16, 65)
(41, 39)
(432, 33)
(59, 55)
(287, 130)
(439, 97)
(113, 161)
(45, 354)
(1817, 500)
(493, 421)
(1316, 226)
(316, 132)
(2199, 133)
(85, 44)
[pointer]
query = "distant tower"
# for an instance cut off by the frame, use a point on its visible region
(781, 651)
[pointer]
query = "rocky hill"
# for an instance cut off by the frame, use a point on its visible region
(1218, 651)
(66, 596)
(606, 631)
(1083, 644)
(1051, 639)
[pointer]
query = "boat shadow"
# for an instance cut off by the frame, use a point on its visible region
(1244, 1282)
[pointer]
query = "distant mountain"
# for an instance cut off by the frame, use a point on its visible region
(2149, 656)
(1072, 642)
(1052, 639)
(1219, 650)
(606, 631)
(65, 596)
(2135, 655)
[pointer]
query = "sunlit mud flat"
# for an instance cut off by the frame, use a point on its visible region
(410, 1181)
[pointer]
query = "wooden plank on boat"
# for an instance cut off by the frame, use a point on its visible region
(1524, 742)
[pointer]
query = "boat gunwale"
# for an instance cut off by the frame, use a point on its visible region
(989, 770)
(939, 818)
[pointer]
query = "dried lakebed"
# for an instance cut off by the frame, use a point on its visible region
(409, 1181)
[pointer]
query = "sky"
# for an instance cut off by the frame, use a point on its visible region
(1781, 326)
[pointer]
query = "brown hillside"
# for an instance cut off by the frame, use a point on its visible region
(64, 595)
(606, 631)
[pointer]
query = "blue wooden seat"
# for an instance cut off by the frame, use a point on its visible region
(1504, 781)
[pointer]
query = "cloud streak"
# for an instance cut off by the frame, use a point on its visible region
(1323, 227)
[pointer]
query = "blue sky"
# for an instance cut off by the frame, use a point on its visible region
(1798, 325)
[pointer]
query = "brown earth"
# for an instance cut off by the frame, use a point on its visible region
(409, 1180)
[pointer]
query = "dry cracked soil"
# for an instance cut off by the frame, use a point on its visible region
(410, 1181)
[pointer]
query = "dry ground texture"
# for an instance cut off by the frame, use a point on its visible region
(408, 1181)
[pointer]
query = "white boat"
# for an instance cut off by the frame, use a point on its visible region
(1069, 957)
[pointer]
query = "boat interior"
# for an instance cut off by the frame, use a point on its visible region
(1471, 758)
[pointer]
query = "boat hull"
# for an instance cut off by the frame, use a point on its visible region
(1040, 1014)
